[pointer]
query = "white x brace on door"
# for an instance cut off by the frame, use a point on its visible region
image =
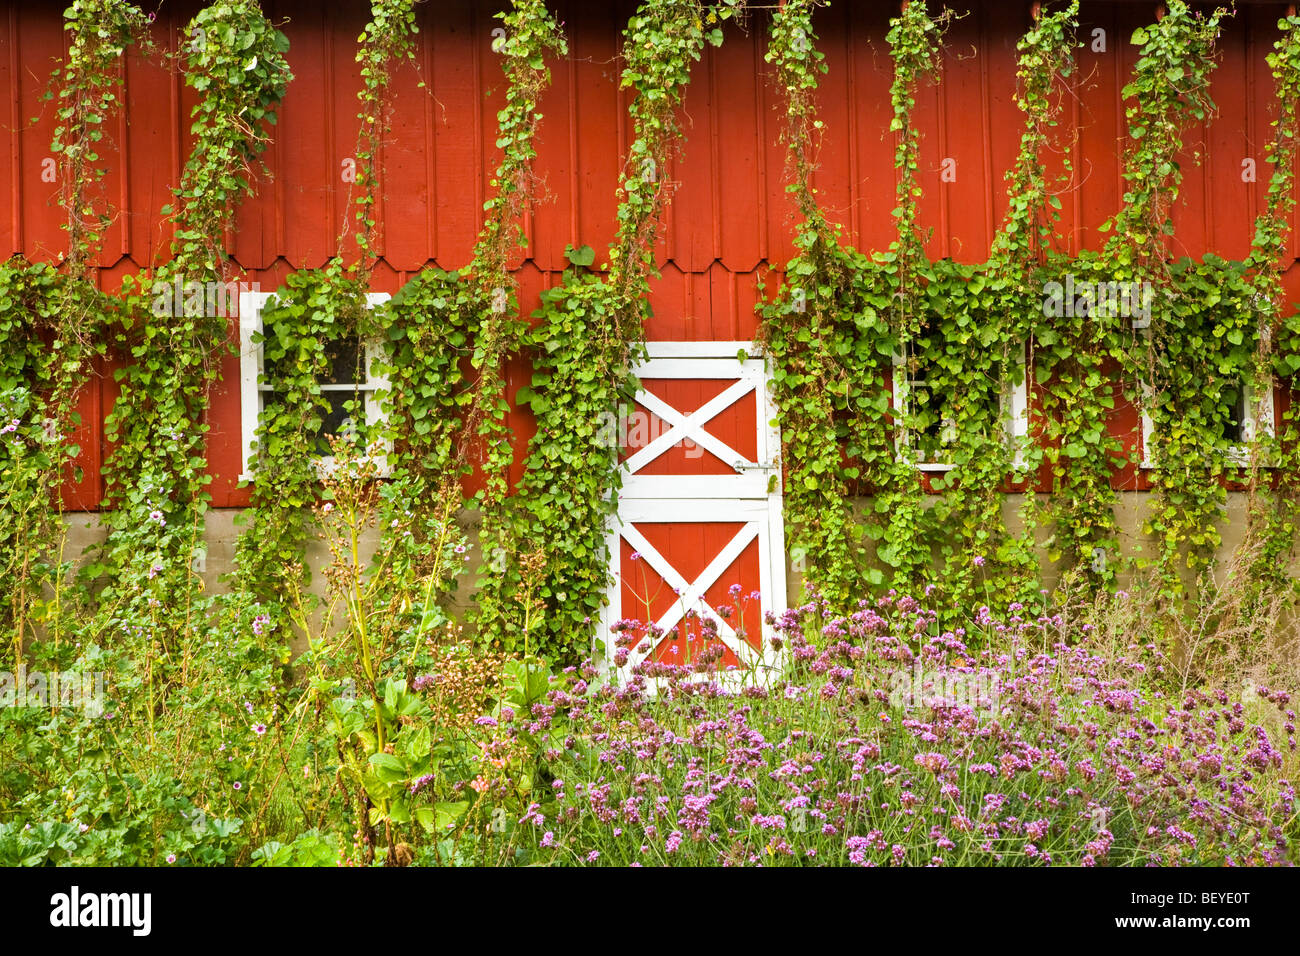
(699, 510)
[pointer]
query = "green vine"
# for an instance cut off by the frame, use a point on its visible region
(303, 327)
(1273, 504)
(234, 61)
(388, 39)
(588, 337)
(815, 365)
(1198, 350)
(52, 322)
(531, 34)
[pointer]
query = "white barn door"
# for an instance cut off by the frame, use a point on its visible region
(699, 531)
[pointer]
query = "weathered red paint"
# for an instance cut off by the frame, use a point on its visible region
(731, 220)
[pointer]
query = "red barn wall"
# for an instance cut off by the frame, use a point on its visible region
(730, 221)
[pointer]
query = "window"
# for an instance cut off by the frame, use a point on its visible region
(351, 376)
(1240, 403)
(1239, 428)
(932, 433)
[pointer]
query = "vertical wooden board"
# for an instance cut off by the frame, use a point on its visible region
(384, 278)
(1213, 194)
(553, 220)
(693, 216)
(1206, 146)
(1064, 161)
(1258, 29)
(180, 100)
(1130, 18)
(42, 45)
(110, 196)
(669, 303)
(259, 221)
(85, 495)
(727, 319)
(345, 81)
(185, 100)
(739, 190)
(597, 124)
(930, 120)
(1269, 34)
(309, 171)
(780, 214)
(873, 71)
(255, 238)
(1001, 28)
(430, 109)
(472, 482)
(224, 446)
(740, 295)
(109, 390)
(699, 304)
(1261, 33)
(406, 193)
(1191, 211)
(853, 153)
(1124, 423)
(1101, 123)
(493, 84)
(151, 134)
(529, 285)
(962, 177)
(459, 42)
(834, 177)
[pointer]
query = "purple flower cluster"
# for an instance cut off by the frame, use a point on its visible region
(1080, 756)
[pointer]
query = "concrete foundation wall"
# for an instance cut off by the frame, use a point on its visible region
(85, 531)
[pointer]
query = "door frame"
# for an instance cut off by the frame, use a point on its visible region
(753, 495)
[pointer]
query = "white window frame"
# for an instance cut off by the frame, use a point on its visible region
(1014, 405)
(1236, 454)
(251, 386)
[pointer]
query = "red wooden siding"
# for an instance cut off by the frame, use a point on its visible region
(731, 220)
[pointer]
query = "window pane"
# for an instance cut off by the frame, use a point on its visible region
(926, 414)
(338, 420)
(1235, 409)
(346, 362)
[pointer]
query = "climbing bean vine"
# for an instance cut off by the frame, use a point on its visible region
(234, 61)
(52, 322)
(587, 339)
